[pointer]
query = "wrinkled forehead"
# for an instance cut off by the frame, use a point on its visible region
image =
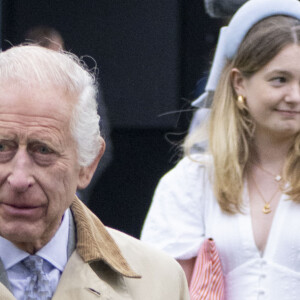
(35, 100)
(37, 91)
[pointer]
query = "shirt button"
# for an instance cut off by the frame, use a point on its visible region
(261, 292)
(263, 263)
(263, 275)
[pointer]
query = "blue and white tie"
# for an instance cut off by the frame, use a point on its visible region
(39, 284)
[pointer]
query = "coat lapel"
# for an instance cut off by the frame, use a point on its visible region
(3, 276)
(5, 294)
(81, 280)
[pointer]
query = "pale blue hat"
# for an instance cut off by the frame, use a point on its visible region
(231, 36)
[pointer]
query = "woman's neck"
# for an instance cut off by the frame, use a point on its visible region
(270, 152)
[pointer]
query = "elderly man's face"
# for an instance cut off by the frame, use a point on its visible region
(39, 172)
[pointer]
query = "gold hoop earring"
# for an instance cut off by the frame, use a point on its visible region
(241, 100)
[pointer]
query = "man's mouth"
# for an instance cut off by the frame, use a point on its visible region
(20, 210)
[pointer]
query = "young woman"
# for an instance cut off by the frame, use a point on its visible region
(245, 191)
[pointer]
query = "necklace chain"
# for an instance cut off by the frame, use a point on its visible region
(267, 207)
(277, 177)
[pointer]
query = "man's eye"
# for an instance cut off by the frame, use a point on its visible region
(43, 150)
(7, 150)
(39, 148)
(7, 146)
(42, 154)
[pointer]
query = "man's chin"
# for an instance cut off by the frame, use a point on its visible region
(24, 236)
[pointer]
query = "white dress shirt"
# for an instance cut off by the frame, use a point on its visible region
(54, 254)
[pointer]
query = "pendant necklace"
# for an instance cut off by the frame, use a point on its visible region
(267, 207)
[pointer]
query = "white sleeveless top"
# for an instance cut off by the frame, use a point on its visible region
(184, 212)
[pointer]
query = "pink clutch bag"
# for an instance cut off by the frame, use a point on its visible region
(207, 280)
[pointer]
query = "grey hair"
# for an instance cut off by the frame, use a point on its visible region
(27, 64)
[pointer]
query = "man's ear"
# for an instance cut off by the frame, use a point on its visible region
(86, 173)
(238, 82)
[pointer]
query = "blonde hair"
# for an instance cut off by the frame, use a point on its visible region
(230, 129)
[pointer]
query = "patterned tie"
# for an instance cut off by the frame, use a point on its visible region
(38, 287)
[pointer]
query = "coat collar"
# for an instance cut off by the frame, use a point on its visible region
(93, 281)
(94, 243)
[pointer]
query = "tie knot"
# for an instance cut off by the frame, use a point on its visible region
(34, 264)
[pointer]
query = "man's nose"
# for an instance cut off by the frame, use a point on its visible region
(20, 178)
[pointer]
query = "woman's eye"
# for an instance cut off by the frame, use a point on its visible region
(278, 80)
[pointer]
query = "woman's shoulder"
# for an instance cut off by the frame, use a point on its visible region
(198, 160)
(193, 166)
(178, 208)
(190, 176)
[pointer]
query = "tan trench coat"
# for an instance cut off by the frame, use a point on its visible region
(108, 264)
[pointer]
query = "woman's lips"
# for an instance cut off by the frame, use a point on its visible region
(288, 112)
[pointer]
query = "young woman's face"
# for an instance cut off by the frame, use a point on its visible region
(273, 94)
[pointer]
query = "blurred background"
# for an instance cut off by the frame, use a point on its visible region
(151, 56)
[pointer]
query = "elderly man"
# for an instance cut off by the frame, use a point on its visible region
(51, 245)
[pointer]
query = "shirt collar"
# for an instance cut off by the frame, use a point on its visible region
(54, 252)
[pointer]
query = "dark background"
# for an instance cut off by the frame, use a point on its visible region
(150, 55)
